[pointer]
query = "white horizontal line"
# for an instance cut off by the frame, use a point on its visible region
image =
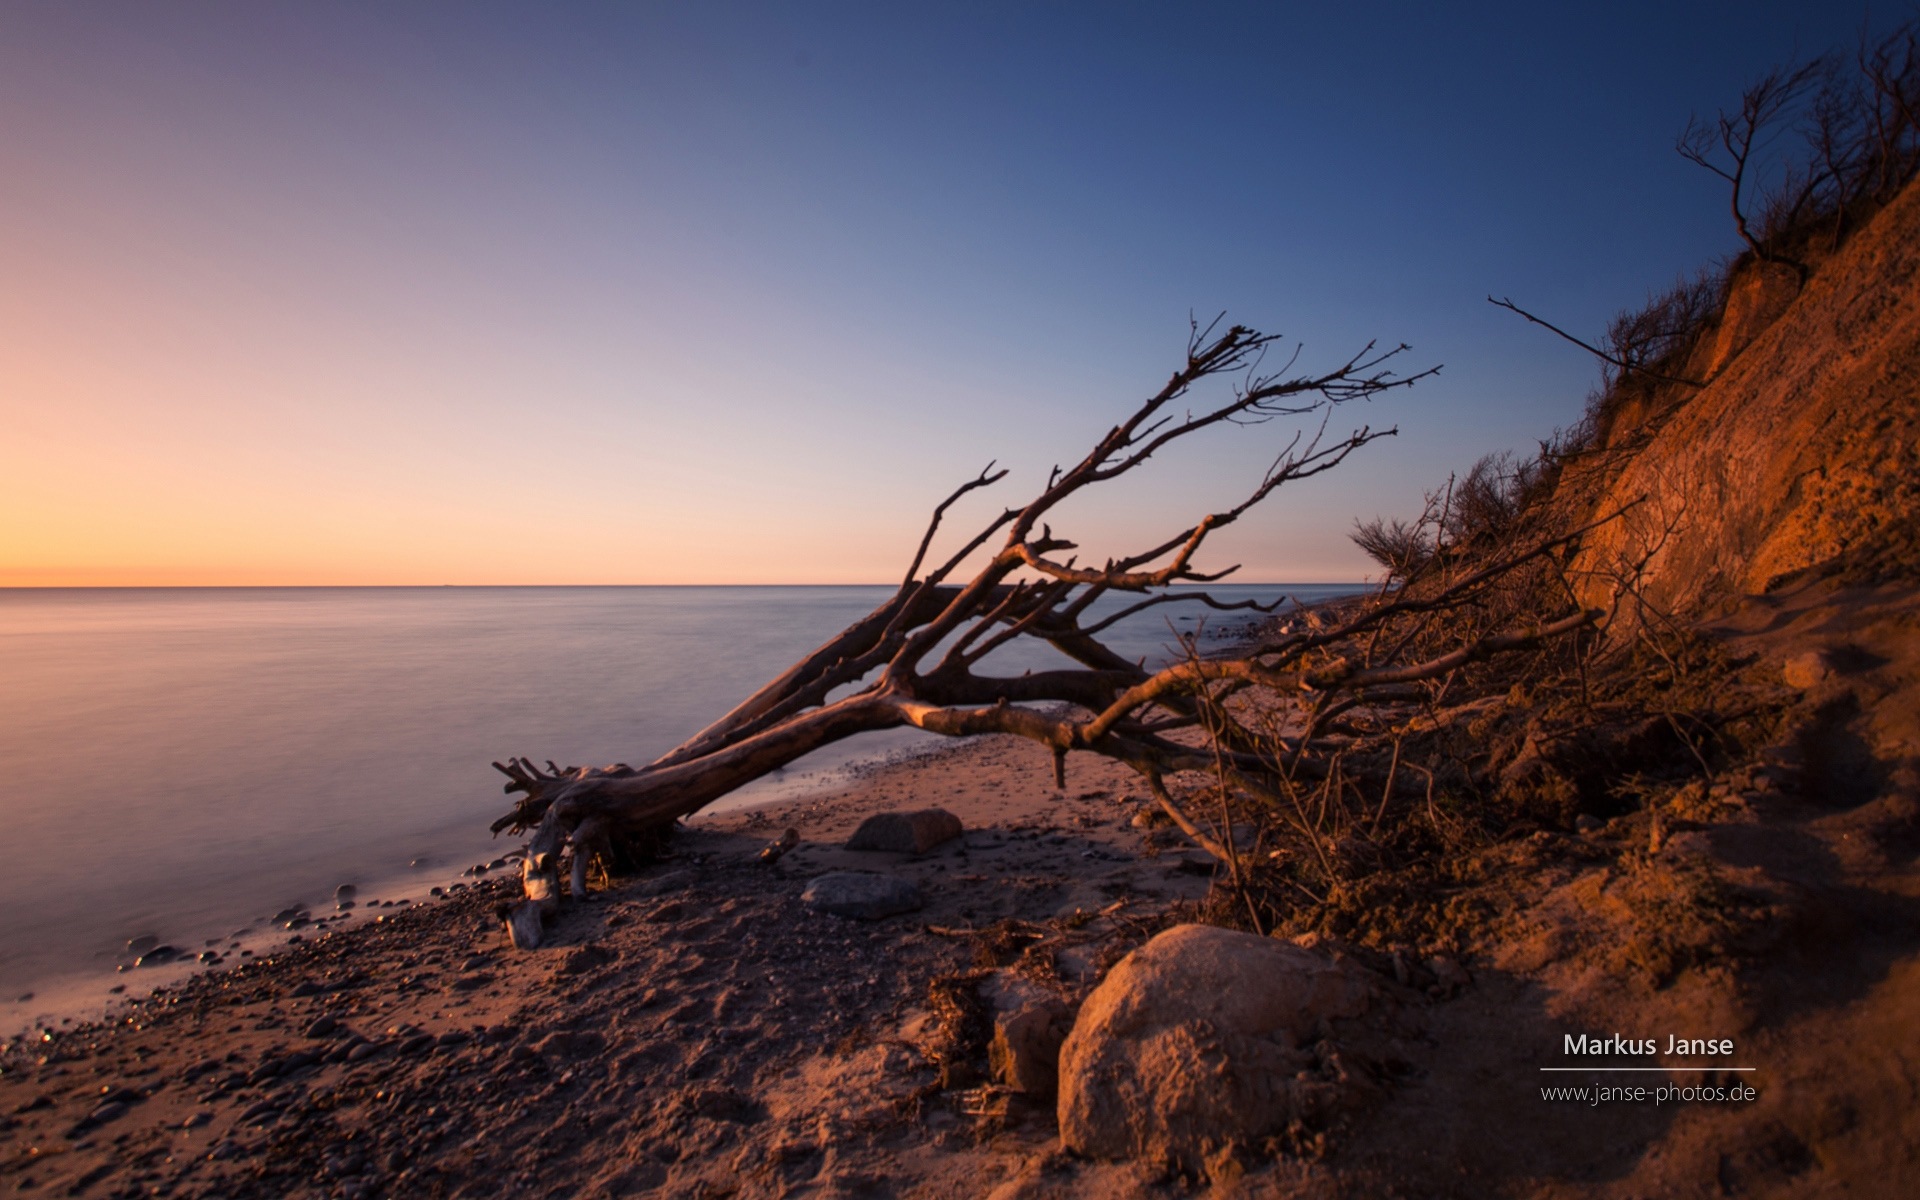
(1649, 1068)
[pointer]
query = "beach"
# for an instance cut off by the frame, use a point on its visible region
(692, 1030)
(697, 1029)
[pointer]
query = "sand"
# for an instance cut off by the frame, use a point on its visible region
(693, 1030)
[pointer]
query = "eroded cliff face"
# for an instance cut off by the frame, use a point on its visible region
(1802, 450)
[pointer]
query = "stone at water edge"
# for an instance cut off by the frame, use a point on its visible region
(1196, 1040)
(906, 832)
(862, 896)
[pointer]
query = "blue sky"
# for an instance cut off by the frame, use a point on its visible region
(734, 293)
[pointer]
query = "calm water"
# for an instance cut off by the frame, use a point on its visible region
(183, 761)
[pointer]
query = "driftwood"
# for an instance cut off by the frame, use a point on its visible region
(916, 659)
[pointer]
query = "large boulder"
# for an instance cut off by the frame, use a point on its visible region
(1206, 1040)
(861, 896)
(906, 832)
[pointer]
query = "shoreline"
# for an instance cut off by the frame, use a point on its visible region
(100, 992)
(97, 987)
(701, 974)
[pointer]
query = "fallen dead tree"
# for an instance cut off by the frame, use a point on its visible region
(917, 659)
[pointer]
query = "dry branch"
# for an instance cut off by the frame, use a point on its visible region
(1103, 704)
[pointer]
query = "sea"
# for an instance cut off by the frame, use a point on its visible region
(182, 763)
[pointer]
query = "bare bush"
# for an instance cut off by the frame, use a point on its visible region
(1399, 546)
(1855, 144)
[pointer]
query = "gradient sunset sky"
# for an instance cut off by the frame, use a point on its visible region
(734, 293)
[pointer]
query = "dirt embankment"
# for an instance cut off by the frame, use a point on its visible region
(1802, 449)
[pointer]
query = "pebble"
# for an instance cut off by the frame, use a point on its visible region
(417, 1043)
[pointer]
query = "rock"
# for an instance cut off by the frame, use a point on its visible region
(142, 944)
(322, 1027)
(1810, 670)
(583, 959)
(777, 849)
(1029, 1024)
(109, 1111)
(1204, 1039)
(157, 955)
(1449, 976)
(564, 1043)
(1025, 1051)
(723, 1104)
(862, 896)
(345, 891)
(672, 881)
(906, 832)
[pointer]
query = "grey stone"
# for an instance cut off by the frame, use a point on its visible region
(671, 881)
(906, 832)
(862, 896)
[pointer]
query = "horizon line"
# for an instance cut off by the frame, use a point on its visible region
(241, 587)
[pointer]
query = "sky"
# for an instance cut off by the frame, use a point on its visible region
(735, 293)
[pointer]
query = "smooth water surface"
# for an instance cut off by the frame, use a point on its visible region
(182, 761)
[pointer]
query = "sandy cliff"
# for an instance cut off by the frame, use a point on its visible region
(1802, 450)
